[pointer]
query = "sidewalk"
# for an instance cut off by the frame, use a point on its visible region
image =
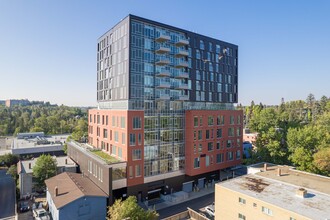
(192, 195)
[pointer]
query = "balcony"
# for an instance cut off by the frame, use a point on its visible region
(181, 53)
(163, 50)
(183, 98)
(182, 75)
(181, 64)
(182, 42)
(181, 86)
(163, 61)
(163, 73)
(163, 38)
(164, 97)
(164, 85)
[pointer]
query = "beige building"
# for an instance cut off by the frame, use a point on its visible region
(273, 192)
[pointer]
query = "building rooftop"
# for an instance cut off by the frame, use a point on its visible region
(39, 141)
(281, 190)
(26, 166)
(70, 187)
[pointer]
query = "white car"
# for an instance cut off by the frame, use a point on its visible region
(40, 214)
(210, 210)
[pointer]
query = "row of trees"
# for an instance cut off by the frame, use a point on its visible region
(49, 119)
(295, 133)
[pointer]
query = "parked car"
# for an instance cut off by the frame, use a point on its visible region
(24, 206)
(41, 214)
(210, 210)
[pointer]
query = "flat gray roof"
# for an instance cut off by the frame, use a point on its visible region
(53, 140)
(61, 162)
(281, 190)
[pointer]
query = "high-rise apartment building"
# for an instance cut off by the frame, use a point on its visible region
(165, 106)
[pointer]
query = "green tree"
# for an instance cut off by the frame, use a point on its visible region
(9, 159)
(322, 161)
(44, 168)
(129, 209)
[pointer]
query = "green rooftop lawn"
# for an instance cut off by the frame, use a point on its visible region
(105, 156)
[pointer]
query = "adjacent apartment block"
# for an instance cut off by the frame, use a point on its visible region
(273, 192)
(165, 106)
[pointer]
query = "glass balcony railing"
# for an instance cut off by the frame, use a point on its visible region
(181, 86)
(183, 98)
(163, 97)
(163, 73)
(181, 75)
(163, 38)
(182, 53)
(182, 64)
(162, 49)
(163, 85)
(182, 42)
(163, 61)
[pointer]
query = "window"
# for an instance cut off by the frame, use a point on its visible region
(238, 154)
(106, 120)
(210, 146)
(136, 122)
(120, 152)
(105, 133)
(229, 155)
(113, 121)
(241, 216)
(267, 211)
(241, 200)
(219, 158)
(116, 136)
(137, 170)
(132, 139)
(254, 205)
(200, 121)
(207, 134)
(292, 218)
(122, 122)
(232, 120)
(136, 154)
(123, 137)
(200, 148)
(201, 44)
(130, 172)
(207, 160)
(219, 133)
(228, 143)
(238, 132)
(238, 119)
(98, 119)
(195, 135)
(200, 135)
(210, 121)
(195, 121)
(196, 162)
(139, 139)
(230, 132)
(218, 145)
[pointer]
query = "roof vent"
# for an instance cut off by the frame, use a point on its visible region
(56, 191)
(301, 192)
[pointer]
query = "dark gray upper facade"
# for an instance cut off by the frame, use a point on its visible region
(143, 64)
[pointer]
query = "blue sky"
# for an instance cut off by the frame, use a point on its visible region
(48, 48)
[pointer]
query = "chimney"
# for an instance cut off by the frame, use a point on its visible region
(56, 191)
(265, 166)
(30, 166)
(66, 161)
(279, 172)
(301, 192)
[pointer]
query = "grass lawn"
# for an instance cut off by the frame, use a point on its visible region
(109, 159)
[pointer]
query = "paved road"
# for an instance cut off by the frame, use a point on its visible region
(194, 204)
(7, 195)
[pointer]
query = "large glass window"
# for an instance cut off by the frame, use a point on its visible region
(210, 146)
(137, 122)
(136, 154)
(132, 139)
(210, 121)
(201, 45)
(266, 210)
(220, 158)
(195, 121)
(196, 162)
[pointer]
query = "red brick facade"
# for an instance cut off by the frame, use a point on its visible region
(110, 130)
(213, 140)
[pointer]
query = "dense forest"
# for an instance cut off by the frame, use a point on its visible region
(294, 133)
(47, 118)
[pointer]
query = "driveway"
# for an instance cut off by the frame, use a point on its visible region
(7, 195)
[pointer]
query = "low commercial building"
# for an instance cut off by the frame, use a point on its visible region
(36, 143)
(74, 196)
(25, 172)
(273, 192)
